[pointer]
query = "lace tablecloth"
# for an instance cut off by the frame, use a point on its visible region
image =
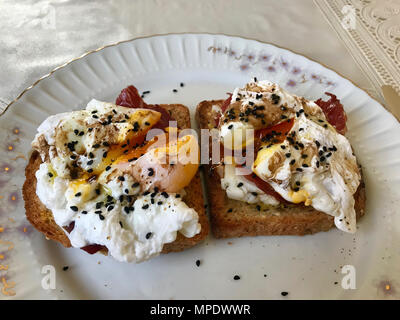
(39, 35)
(370, 29)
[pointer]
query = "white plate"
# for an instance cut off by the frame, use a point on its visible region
(209, 66)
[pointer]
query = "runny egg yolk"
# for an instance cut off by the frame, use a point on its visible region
(81, 186)
(300, 196)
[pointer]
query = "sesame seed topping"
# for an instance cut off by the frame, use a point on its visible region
(236, 277)
(74, 208)
(148, 235)
(121, 178)
(145, 207)
(78, 194)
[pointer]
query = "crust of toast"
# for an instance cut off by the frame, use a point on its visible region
(233, 218)
(42, 218)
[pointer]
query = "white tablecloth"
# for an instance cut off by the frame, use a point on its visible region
(36, 36)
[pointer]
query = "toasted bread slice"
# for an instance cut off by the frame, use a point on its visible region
(42, 218)
(233, 218)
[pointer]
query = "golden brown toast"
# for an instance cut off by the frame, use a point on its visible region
(42, 218)
(233, 218)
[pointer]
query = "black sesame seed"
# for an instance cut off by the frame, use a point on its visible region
(148, 235)
(78, 194)
(254, 193)
(292, 162)
(288, 155)
(317, 143)
(284, 293)
(240, 184)
(97, 191)
(145, 207)
(304, 156)
(159, 203)
(50, 174)
(126, 191)
(84, 212)
(146, 193)
(198, 263)
(236, 277)
(110, 208)
(135, 185)
(97, 145)
(90, 170)
(101, 217)
(120, 223)
(121, 178)
(296, 189)
(299, 169)
(74, 208)
(126, 209)
(275, 98)
(90, 162)
(151, 172)
(174, 90)
(108, 168)
(76, 131)
(164, 194)
(283, 147)
(230, 210)
(81, 133)
(95, 116)
(65, 268)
